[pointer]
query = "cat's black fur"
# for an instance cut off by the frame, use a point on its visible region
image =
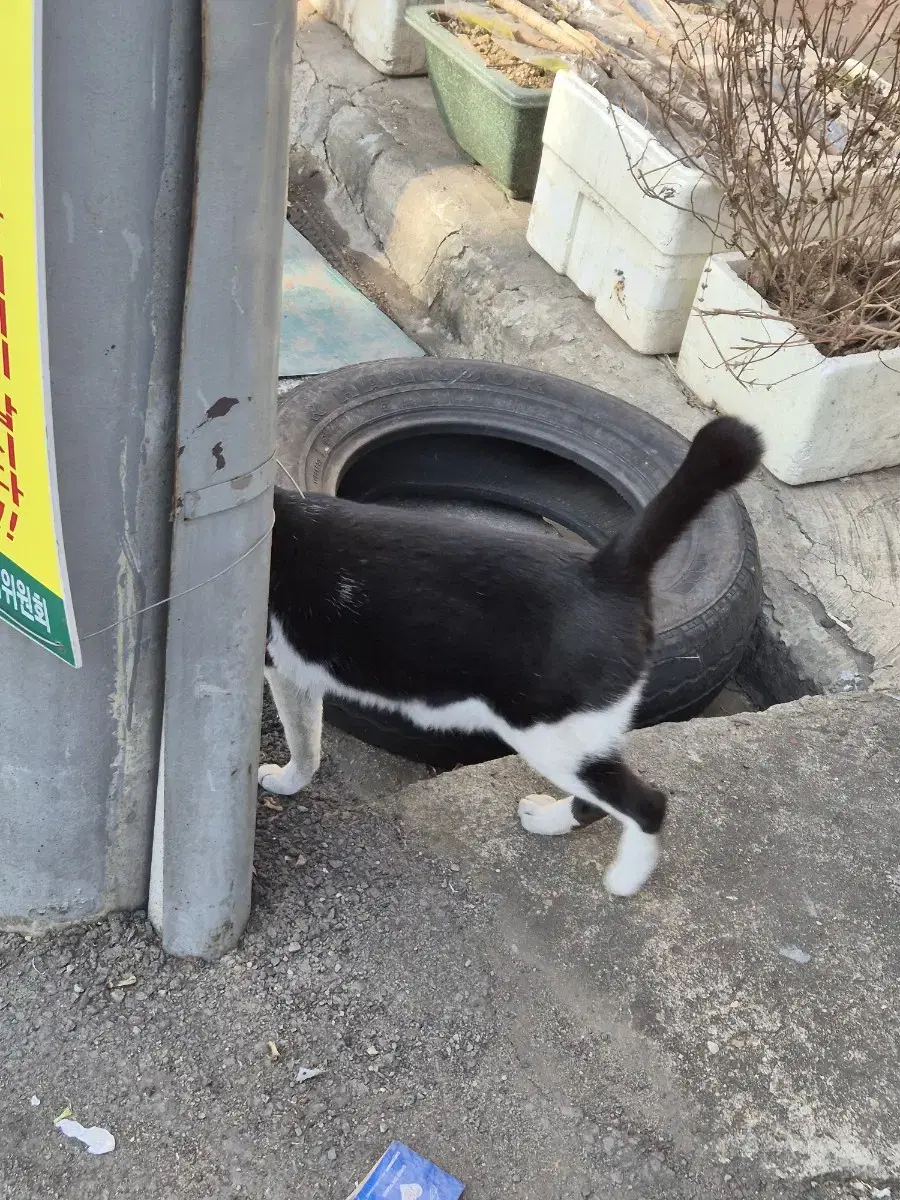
(443, 609)
(409, 606)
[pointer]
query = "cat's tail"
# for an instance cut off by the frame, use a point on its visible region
(722, 455)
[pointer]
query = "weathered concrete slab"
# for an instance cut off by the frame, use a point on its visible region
(742, 1009)
(831, 552)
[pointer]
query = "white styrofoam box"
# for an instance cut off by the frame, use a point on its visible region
(617, 212)
(379, 32)
(821, 418)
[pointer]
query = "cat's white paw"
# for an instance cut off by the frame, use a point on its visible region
(620, 881)
(282, 781)
(634, 864)
(545, 816)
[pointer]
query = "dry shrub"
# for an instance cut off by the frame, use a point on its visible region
(801, 131)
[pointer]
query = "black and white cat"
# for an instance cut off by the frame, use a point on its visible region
(458, 627)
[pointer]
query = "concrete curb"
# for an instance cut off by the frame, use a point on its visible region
(830, 551)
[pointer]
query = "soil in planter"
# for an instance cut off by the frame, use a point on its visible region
(848, 307)
(516, 71)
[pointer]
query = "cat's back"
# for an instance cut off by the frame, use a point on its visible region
(381, 536)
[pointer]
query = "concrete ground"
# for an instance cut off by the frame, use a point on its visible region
(378, 183)
(473, 992)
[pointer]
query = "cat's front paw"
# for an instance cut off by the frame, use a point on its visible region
(547, 817)
(281, 781)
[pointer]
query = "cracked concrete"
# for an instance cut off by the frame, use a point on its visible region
(740, 1008)
(439, 225)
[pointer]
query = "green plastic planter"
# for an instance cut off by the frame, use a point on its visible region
(496, 122)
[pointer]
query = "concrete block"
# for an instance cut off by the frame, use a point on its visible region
(353, 143)
(748, 992)
(379, 32)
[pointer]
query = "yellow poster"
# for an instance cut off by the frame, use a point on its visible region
(34, 594)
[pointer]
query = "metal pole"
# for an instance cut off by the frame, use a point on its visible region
(80, 748)
(225, 470)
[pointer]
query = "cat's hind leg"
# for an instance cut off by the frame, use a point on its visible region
(547, 817)
(613, 787)
(605, 785)
(300, 713)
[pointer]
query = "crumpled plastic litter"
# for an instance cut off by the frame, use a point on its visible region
(97, 1140)
(306, 1073)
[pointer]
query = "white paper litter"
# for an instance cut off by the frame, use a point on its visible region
(97, 1140)
(794, 953)
(35, 1102)
(306, 1073)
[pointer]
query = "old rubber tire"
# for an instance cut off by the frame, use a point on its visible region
(614, 458)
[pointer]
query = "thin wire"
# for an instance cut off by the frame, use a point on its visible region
(178, 595)
(186, 592)
(290, 477)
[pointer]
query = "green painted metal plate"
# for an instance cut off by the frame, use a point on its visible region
(325, 322)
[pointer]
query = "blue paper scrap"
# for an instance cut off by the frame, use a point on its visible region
(401, 1174)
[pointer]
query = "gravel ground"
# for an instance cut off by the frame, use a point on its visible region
(177, 1063)
(371, 957)
(366, 957)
